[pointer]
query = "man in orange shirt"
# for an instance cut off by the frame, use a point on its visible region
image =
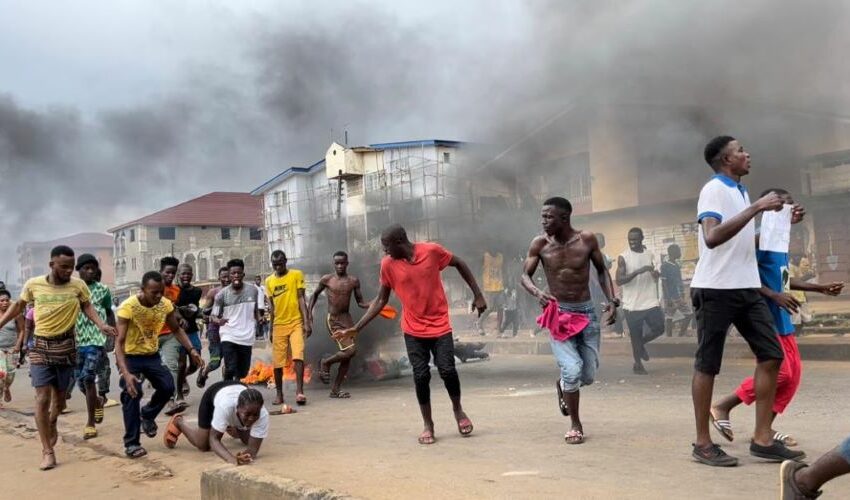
(169, 347)
(412, 271)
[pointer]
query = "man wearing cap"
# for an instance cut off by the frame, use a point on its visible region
(91, 342)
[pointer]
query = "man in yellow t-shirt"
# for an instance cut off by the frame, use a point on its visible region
(494, 284)
(140, 319)
(291, 324)
(57, 299)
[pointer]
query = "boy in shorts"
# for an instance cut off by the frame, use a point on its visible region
(291, 325)
(338, 287)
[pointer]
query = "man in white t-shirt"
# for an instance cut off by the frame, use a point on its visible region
(226, 407)
(725, 291)
(637, 275)
(236, 311)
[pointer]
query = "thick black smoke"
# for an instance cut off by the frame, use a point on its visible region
(769, 72)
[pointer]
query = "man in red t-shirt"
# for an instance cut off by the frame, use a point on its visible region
(412, 271)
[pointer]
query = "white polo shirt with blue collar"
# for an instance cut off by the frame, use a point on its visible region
(732, 265)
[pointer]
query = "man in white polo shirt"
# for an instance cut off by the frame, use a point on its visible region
(725, 291)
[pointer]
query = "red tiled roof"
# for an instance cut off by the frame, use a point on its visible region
(213, 209)
(79, 240)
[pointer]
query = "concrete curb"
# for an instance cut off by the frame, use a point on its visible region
(247, 484)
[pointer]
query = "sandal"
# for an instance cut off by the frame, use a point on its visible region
(565, 411)
(300, 399)
(45, 463)
(149, 427)
(786, 439)
(724, 427)
(427, 437)
(339, 395)
(574, 436)
(89, 432)
(135, 451)
(201, 381)
(285, 409)
(98, 415)
(172, 432)
(464, 426)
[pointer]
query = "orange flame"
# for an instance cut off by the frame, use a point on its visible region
(289, 372)
(263, 372)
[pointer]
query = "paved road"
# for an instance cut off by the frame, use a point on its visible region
(639, 428)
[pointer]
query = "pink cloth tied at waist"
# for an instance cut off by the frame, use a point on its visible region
(562, 325)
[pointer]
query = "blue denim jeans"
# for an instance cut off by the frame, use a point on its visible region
(89, 359)
(844, 450)
(578, 356)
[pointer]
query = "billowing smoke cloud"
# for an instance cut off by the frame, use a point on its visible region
(686, 70)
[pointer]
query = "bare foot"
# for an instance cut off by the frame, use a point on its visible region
(279, 400)
(48, 460)
(719, 413)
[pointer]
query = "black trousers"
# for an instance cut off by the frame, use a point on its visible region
(511, 319)
(419, 351)
(654, 319)
(237, 360)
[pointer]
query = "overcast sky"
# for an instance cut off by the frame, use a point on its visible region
(110, 110)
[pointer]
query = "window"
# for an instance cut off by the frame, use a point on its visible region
(167, 233)
(376, 181)
(256, 233)
(447, 157)
(225, 233)
(132, 236)
(281, 198)
(133, 264)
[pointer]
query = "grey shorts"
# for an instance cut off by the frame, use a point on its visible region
(58, 376)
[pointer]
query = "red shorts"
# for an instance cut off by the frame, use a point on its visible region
(787, 382)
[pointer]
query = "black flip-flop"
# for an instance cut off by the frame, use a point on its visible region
(561, 404)
(135, 451)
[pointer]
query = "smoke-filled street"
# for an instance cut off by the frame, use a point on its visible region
(639, 433)
(283, 223)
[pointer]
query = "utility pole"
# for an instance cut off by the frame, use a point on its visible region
(339, 196)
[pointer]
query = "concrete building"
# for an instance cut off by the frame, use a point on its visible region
(640, 164)
(204, 232)
(34, 256)
(303, 214)
(345, 200)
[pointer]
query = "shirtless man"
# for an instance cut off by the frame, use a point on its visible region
(339, 286)
(566, 254)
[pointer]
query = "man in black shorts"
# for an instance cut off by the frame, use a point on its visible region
(226, 407)
(725, 291)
